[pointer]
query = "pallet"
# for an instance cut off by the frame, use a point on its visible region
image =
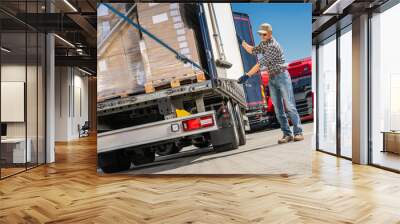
(120, 95)
(156, 85)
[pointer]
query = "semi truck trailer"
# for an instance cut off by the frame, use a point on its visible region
(300, 74)
(256, 111)
(208, 111)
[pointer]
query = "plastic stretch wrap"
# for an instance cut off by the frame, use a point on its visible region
(128, 59)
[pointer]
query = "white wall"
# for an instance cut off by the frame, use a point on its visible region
(17, 73)
(14, 73)
(71, 102)
(61, 103)
(80, 109)
(12, 100)
(34, 124)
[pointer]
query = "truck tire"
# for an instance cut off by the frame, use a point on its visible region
(233, 132)
(142, 156)
(114, 161)
(169, 150)
(241, 129)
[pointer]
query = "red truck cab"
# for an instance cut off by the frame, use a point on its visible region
(300, 73)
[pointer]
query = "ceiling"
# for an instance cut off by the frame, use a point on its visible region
(74, 22)
(327, 13)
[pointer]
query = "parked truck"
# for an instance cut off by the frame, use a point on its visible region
(256, 111)
(207, 111)
(300, 73)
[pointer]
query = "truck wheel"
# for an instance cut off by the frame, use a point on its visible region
(241, 129)
(115, 161)
(142, 156)
(233, 132)
(168, 149)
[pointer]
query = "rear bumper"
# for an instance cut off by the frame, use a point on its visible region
(149, 133)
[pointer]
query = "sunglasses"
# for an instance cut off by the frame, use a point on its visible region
(263, 34)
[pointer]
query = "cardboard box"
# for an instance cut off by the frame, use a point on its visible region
(130, 59)
(120, 67)
(165, 21)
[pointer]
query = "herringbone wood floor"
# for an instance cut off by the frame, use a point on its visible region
(70, 191)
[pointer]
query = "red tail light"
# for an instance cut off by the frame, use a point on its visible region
(198, 123)
(270, 105)
(224, 112)
(264, 108)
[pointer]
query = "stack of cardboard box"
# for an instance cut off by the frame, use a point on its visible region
(131, 58)
(119, 67)
(165, 21)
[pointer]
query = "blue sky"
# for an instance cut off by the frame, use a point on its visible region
(291, 25)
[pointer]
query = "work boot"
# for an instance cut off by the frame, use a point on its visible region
(285, 139)
(298, 137)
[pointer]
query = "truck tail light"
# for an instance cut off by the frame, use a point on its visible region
(264, 108)
(270, 105)
(198, 123)
(207, 121)
(223, 112)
